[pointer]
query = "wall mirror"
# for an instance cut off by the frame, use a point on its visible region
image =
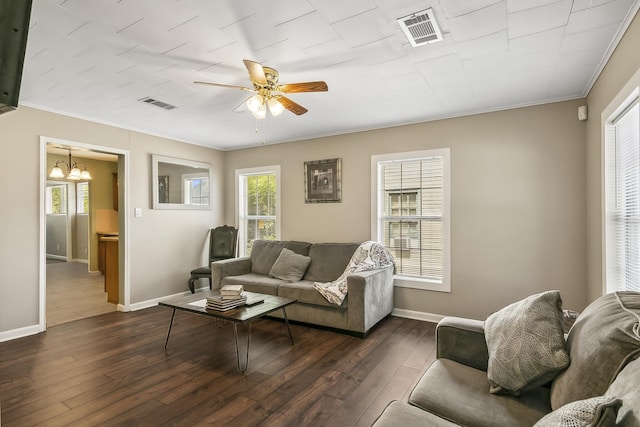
(179, 183)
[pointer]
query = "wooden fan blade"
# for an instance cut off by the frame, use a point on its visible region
(221, 85)
(291, 106)
(255, 71)
(304, 87)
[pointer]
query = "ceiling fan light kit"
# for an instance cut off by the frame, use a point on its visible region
(269, 94)
(275, 107)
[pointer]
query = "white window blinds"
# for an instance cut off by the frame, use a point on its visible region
(410, 215)
(623, 200)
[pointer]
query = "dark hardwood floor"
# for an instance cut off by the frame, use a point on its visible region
(112, 369)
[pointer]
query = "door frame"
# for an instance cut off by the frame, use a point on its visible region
(124, 223)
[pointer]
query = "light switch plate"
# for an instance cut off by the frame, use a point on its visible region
(138, 212)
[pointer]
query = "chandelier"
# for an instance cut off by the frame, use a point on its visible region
(73, 168)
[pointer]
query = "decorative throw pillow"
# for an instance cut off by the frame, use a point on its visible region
(526, 344)
(598, 411)
(289, 266)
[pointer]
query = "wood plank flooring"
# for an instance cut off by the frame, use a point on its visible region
(74, 293)
(112, 369)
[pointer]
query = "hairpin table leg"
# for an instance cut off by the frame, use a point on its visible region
(169, 331)
(246, 362)
(284, 313)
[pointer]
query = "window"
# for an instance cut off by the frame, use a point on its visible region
(622, 195)
(196, 189)
(410, 215)
(82, 198)
(56, 203)
(258, 206)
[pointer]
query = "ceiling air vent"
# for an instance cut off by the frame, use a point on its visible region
(157, 103)
(421, 28)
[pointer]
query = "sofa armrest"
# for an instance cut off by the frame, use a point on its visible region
(370, 298)
(462, 340)
(228, 267)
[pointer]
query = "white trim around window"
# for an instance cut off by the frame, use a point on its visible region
(241, 174)
(442, 284)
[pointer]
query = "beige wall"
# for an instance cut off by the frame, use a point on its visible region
(517, 202)
(619, 77)
(165, 245)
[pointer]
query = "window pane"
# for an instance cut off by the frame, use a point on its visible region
(414, 190)
(258, 213)
(82, 198)
(623, 203)
(56, 200)
(252, 195)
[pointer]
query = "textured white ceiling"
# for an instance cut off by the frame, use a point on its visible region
(96, 59)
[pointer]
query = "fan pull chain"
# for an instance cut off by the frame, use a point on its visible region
(264, 131)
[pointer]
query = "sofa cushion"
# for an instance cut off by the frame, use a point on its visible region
(289, 266)
(304, 292)
(526, 343)
(329, 260)
(461, 394)
(399, 414)
(603, 339)
(265, 252)
(255, 283)
(625, 387)
(600, 411)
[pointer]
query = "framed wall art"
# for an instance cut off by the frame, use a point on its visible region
(323, 181)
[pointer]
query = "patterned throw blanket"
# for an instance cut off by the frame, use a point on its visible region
(369, 256)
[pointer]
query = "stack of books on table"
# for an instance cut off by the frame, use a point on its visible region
(231, 296)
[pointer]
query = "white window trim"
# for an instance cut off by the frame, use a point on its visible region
(260, 170)
(608, 155)
(376, 207)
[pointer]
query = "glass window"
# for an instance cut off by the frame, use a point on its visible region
(258, 206)
(622, 195)
(56, 203)
(82, 198)
(411, 206)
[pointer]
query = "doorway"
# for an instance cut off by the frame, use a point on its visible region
(72, 286)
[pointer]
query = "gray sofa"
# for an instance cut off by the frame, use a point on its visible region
(603, 345)
(370, 293)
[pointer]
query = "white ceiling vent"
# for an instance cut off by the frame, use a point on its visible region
(421, 28)
(157, 103)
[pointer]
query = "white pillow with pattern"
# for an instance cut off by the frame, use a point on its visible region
(598, 411)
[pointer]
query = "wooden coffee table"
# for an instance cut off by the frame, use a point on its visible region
(257, 306)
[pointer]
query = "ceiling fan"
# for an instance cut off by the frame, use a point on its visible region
(268, 93)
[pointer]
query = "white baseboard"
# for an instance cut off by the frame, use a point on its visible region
(417, 315)
(153, 302)
(19, 333)
(35, 329)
